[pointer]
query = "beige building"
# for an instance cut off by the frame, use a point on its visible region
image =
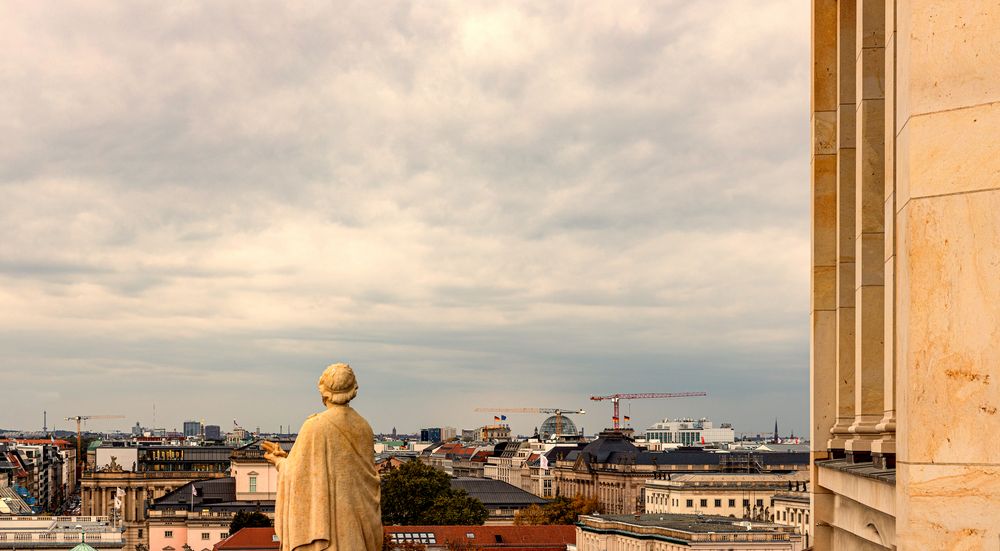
(793, 509)
(613, 470)
(905, 274)
(739, 495)
(670, 532)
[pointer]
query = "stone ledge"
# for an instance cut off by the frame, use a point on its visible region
(863, 483)
(868, 470)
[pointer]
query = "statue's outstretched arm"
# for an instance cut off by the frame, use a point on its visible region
(274, 454)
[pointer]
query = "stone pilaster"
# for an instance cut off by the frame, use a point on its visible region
(884, 449)
(869, 378)
(846, 56)
(823, 315)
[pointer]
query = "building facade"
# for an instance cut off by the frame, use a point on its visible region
(43, 533)
(905, 279)
(197, 516)
(690, 432)
(157, 471)
(739, 495)
(793, 509)
(613, 470)
(667, 532)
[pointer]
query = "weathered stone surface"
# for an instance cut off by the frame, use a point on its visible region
(950, 346)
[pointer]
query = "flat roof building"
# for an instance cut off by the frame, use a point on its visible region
(668, 532)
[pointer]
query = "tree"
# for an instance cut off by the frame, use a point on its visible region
(248, 519)
(456, 507)
(416, 494)
(535, 514)
(560, 510)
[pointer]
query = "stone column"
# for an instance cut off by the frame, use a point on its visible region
(823, 311)
(869, 363)
(947, 274)
(846, 112)
(884, 449)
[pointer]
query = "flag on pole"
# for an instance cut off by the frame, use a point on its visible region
(496, 419)
(543, 462)
(503, 417)
(627, 418)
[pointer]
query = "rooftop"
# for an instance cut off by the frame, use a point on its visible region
(688, 523)
(249, 538)
(496, 493)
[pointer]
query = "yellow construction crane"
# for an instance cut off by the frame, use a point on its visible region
(558, 412)
(80, 419)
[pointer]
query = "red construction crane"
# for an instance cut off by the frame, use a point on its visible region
(616, 397)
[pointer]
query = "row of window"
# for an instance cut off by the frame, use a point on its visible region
(792, 518)
(204, 535)
(657, 498)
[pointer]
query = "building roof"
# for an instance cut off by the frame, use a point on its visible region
(217, 494)
(509, 538)
(691, 524)
(11, 503)
(496, 493)
(615, 448)
(83, 547)
(249, 538)
(524, 538)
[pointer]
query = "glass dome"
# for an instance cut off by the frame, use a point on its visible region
(548, 428)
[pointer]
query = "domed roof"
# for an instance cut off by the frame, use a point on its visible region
(83, 547)
(548, 428)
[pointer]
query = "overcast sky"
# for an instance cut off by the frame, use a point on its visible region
(473, 203)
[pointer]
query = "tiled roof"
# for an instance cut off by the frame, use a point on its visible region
(508, 538)
(495, 493)
(495, 537)
(249, 538)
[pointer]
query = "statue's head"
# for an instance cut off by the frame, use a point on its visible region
(337, 385)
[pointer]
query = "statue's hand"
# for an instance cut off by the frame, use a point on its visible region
(273, 452)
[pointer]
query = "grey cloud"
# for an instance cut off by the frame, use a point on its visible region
(470, 201)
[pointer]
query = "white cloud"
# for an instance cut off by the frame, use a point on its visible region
(472, 202)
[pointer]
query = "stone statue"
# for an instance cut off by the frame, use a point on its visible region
(328, 490)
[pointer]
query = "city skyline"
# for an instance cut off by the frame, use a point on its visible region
(474, 205)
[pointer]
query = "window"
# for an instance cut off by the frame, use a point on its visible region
(168, 533)
(253, 484)
(206, 536)
(718, 503)
(223, 535)
(140, 533)
(704, 503)
(690, 503)
(760, 503)
(732, 503)
(746, 502)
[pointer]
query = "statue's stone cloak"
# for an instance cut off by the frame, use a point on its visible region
(328, 490)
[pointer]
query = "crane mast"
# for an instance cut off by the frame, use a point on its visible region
(80, 419)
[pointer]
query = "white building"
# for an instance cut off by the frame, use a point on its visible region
(690, 432)
(42, 533)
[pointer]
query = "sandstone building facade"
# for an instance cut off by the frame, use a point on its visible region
(905, 274)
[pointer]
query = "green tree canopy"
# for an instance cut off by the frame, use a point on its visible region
(416, 494)
(248, 519)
